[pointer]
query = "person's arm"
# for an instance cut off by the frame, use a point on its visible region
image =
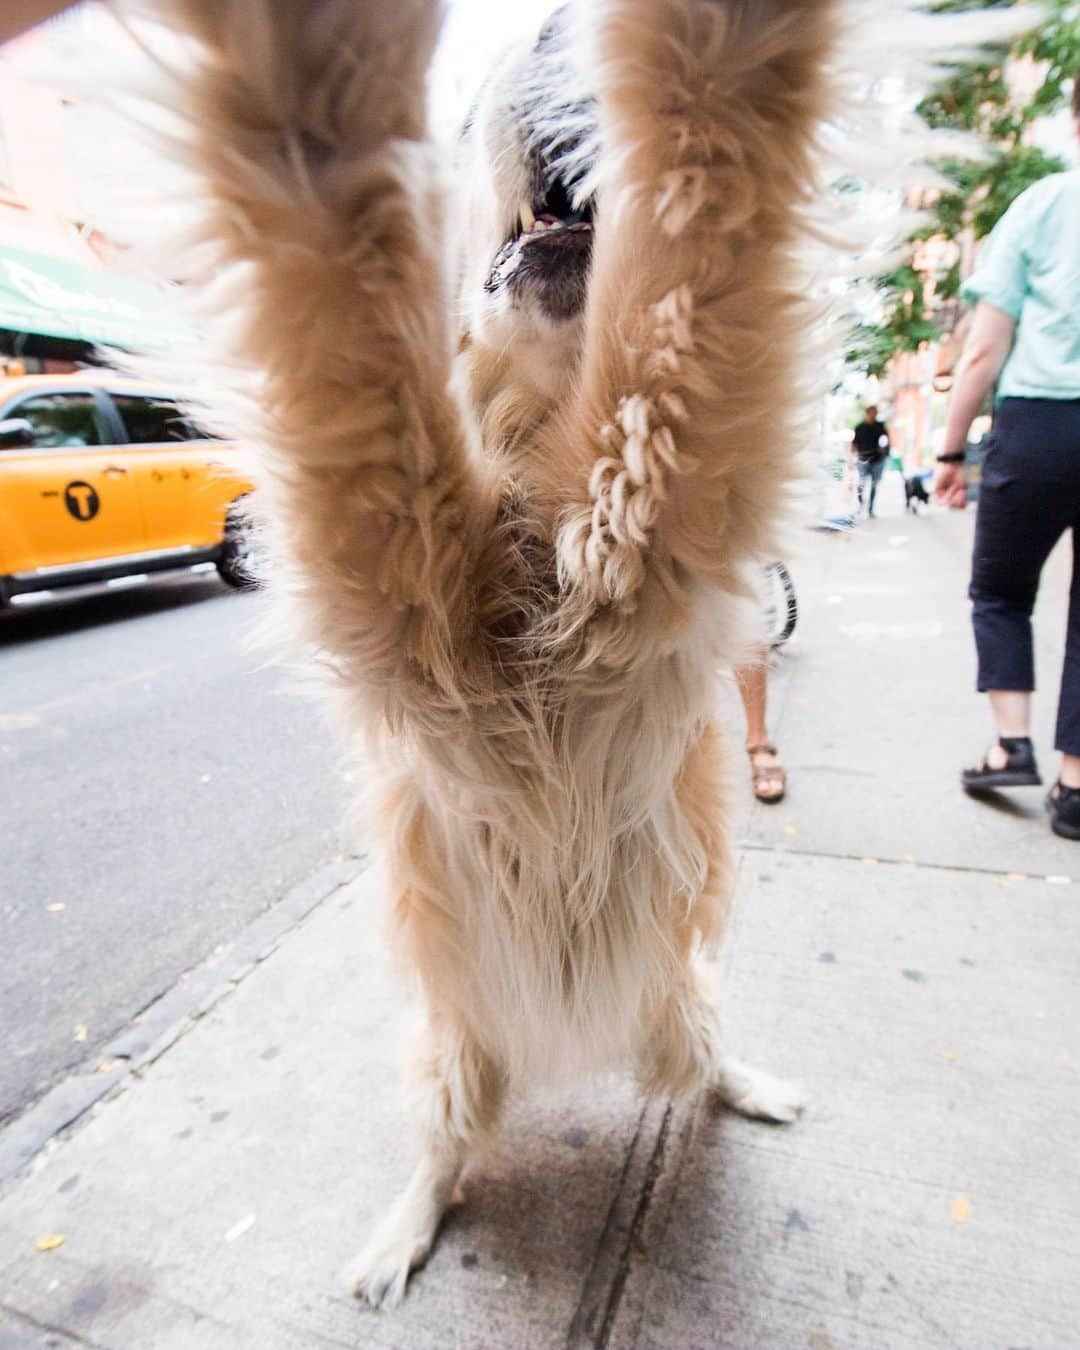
(988, 346)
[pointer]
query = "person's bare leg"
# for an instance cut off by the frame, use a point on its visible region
(753, 682)
(1011, 709)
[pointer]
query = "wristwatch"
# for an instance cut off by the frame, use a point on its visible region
(953, 457)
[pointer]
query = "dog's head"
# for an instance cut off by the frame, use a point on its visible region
(525, 235)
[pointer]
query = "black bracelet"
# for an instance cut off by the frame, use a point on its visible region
(954, 457)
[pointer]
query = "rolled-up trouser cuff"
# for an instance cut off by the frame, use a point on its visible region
(1003, 643)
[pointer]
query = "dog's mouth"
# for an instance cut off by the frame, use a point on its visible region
(547, 254)
(551, 218)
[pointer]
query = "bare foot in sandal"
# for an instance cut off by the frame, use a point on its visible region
(769, 776)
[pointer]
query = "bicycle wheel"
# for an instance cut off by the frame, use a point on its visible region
(781, 605)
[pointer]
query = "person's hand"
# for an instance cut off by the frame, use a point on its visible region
(950, 486)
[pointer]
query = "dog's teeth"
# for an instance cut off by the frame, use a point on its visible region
(528, 220)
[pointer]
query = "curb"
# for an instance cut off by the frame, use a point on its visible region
(169, 1017)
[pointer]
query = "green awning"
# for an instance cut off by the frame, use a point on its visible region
(66, 300)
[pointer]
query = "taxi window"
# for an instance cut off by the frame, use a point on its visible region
(149, 421)
(61, 421)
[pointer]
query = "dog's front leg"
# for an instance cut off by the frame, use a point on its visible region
(686, 422)
(459, 1094)
(316, 215)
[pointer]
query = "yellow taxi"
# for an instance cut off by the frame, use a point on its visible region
(103, 477)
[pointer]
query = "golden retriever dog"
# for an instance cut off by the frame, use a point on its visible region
(525, 427)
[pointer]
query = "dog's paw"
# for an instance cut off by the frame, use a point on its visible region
(759, 1095)
(379, 1274)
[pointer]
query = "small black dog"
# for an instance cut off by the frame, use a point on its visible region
(914, 493)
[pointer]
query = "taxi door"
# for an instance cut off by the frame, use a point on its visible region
(182, 496)
(70, 497)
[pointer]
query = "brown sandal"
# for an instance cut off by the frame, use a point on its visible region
(764, 773)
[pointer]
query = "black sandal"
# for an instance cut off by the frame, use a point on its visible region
(1063, 803)
(1020, 769)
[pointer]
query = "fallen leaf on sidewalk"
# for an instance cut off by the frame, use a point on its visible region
(55, 909)
(106, 1066)
(49, 1242)
(945, 1056)
(960, 1209)
(81, 1033)
(1018, 876)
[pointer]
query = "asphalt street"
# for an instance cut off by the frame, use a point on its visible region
(160, 786)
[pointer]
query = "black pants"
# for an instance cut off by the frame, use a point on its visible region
(1030, 495)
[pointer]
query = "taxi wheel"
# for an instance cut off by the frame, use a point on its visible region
(236, 566)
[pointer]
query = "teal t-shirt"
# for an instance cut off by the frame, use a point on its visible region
(1030, 268)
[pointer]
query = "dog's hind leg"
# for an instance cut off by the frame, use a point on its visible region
(754, 1093)
(459, 1092)
(683, 1053)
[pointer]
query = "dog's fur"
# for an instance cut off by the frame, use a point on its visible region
(515, 485)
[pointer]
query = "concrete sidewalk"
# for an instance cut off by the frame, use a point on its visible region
(908, 953)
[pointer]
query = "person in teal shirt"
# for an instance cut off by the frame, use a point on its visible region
(1025, 339)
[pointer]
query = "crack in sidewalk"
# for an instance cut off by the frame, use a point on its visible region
(581, 1323)
(749, 846)
(49, 1328)
(633, 1238)
(602, 1290)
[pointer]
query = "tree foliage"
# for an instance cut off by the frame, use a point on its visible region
(975, 98)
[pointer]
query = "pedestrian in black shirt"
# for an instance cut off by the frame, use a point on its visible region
(870, 444)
